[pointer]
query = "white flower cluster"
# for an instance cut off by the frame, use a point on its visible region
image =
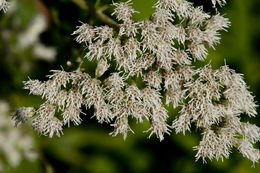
(138, 45)
(30, 38)
(15, 145)
(66, 92)
(220, 2)
(4, 5)
(160, 51)
(214, 102)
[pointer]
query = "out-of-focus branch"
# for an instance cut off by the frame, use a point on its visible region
(104, 18)
(82, 4)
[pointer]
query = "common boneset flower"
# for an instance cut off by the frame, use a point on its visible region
(15, 144)
(160, 54)
(4, 5)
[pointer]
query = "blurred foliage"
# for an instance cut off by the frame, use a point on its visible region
(89, 148)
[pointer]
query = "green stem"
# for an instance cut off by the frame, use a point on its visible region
(104, 18)
(97, 4)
